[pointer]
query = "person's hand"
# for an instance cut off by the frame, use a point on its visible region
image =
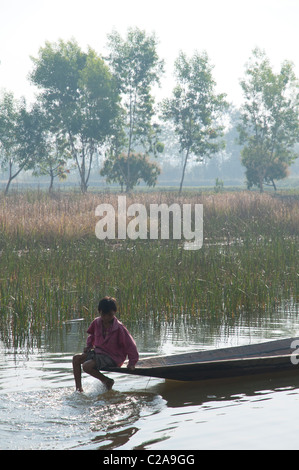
(130, 367)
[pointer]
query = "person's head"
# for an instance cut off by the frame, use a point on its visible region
(107, 306)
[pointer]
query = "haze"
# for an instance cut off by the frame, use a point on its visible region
(227, 30)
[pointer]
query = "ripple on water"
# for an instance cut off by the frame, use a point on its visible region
(64, 419)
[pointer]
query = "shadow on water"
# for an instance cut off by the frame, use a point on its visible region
(182, 394)
(120, 420)
(113, 440)
(116, 421)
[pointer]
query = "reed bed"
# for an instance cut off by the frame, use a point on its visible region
(35, 217)
(53, 268)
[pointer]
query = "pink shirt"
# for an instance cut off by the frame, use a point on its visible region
(118, 343)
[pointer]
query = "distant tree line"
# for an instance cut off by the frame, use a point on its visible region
(88, 105)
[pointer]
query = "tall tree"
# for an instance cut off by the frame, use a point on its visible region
(195, 109)
(269, 126)
(136, 67)
(80, 98)
(22, 139)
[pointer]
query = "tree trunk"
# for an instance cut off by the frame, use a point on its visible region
(184, 168)
(11, 176)
(7, 186)
(51, 182)
(83, 186)
(261, 183)
(83, 182)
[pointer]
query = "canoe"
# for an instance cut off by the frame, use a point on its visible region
(263, 358)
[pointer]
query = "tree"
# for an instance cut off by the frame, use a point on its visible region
(195, 109)
(54, 162)
(141, 168)
(136, 68)
(22, 140)
(80, 97)
(269, 126)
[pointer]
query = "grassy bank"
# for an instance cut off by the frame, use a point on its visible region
(53, 268)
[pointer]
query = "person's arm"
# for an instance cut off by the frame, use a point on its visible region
(132, 352)
(90, 338)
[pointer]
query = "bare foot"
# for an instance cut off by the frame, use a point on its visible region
(109, 383)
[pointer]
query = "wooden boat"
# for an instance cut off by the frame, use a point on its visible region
(268, 357)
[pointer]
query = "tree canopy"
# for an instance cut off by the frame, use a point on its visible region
(195, 108)
(100, 112)
(137, 68)
(269, 126)
(80, 97)
(22, 139)
(141, 168)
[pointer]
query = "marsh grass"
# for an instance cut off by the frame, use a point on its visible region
(35, 217)
(54, 269)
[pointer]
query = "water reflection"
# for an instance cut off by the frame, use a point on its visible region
(110, 419)
(168, 336)
(113, 440)
(184, 394)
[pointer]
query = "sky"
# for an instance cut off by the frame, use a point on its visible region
(228, 30)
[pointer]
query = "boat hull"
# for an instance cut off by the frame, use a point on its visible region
(217, 369)
(265, 358)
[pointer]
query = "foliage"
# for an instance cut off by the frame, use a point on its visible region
(22, 140)
(54, 162)
(80, 98)
(86, 109)
(269, 127)
(195, 108)
(141, 168)
(136, 68)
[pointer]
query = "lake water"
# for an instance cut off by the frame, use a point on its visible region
(39, 408)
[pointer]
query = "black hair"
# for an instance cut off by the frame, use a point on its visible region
(107, 304)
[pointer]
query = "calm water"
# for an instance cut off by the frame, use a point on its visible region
(39, 408)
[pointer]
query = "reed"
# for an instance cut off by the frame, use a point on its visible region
(53, 268)
(32, 218)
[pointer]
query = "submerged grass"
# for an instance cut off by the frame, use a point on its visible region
(53, 268)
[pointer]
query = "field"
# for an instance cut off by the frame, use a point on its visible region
(54, 269)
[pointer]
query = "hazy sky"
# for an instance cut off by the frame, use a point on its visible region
(227, 29)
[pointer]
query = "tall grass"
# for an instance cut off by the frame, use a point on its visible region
(53, 268)
(34, 217)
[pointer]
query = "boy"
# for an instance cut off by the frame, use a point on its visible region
(108, 345)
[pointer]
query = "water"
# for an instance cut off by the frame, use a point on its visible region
(39, 408)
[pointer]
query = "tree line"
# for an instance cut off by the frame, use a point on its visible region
(89, 105)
